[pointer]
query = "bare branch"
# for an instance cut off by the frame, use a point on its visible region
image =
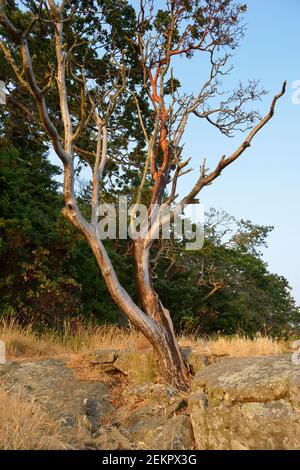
(204, 180)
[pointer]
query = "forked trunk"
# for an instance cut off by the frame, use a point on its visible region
(153, 320)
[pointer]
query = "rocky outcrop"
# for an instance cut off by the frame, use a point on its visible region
(53, 386)
(247, 403)
(235, 403)
(149, 416)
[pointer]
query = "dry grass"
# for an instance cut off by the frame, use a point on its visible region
(85, 338)
(24, 425)
(237, 345)
(24, 342)
(142, 368)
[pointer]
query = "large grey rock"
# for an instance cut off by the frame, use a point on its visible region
(247, 403)
(52, 385)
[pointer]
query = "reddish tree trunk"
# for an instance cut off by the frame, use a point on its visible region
(171, 362)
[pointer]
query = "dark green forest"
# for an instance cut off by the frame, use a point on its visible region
(47, 272)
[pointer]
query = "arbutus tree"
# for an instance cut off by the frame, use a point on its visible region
(183, 29)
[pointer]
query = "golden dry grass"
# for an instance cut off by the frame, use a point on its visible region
(24, 425)
(237, 345)
(24, 342)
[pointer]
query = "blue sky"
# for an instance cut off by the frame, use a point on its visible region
(264, 185)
